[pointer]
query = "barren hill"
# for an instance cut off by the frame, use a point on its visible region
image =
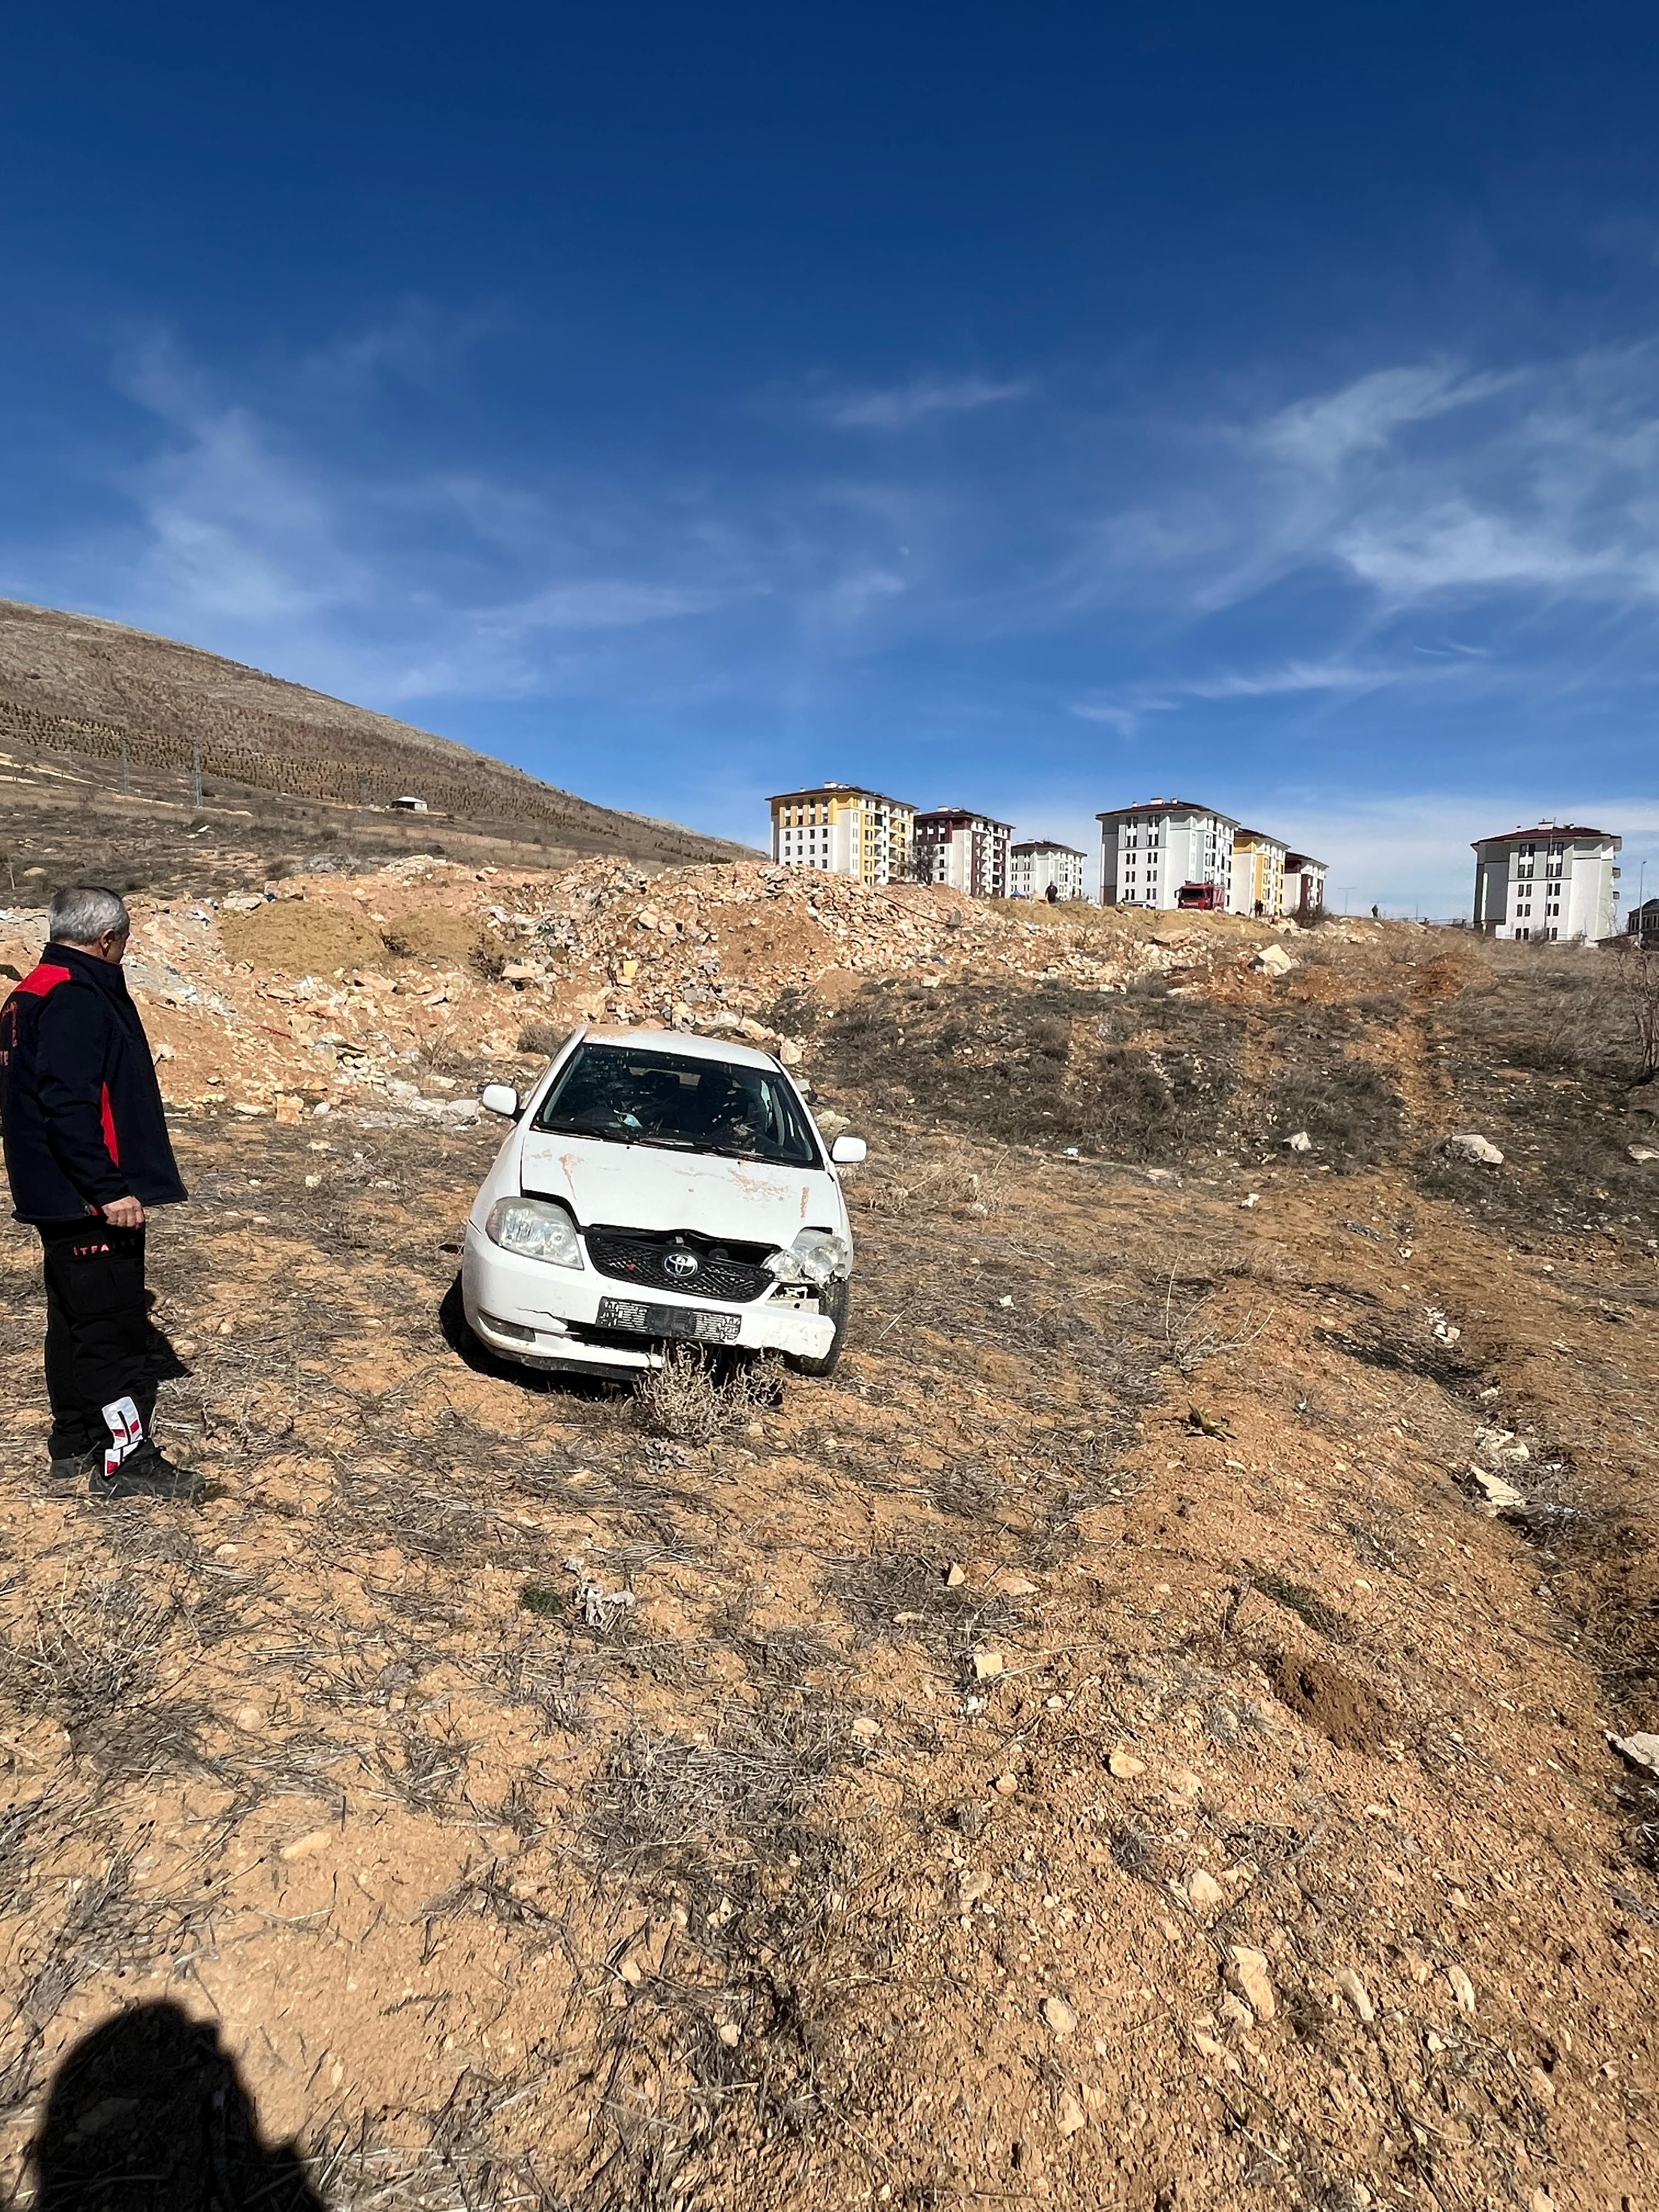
(136, 708)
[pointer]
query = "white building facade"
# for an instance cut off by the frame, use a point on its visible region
(1166, 854)
(1038, 863)
(963, 851)
(1558, 880)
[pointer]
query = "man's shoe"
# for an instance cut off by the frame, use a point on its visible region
(76, 1467)
(147, 1474)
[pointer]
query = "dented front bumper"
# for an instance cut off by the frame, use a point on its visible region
(549, 1317)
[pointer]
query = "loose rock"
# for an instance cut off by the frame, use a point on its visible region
(1640, 1750)
(1480, 1150)
(1058, 2015)
(1246, 1970)
(1356, 1995)
(1125, 1765)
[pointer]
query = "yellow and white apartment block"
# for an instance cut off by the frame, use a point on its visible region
(845, 830)
(1258, 873)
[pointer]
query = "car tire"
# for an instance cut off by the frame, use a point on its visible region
(835, 1301)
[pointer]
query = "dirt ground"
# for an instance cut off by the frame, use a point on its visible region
(1102, 1748)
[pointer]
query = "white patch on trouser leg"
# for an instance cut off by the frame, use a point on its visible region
(126, 1431)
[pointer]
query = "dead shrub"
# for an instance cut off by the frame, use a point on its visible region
(695, 1397)
(955, 1186)
(1193, 1331)
(91, 1656)
(542, 1038)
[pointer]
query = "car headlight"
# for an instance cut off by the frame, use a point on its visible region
(817, 1256)
(536, 1230)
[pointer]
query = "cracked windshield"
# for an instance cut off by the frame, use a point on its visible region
(688, 1105)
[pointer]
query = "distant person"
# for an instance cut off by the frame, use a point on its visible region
(1052, 895)
(1377, 914)
(87, 1152)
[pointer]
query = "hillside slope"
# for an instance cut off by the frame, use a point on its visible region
(73, 684)
(1134, 1739)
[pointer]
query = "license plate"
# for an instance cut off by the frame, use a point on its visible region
(693, 1321)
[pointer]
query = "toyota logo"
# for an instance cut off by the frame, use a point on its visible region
(681, 1263)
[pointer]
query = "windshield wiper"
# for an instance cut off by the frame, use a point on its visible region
(603, 1136)
(613, 1135)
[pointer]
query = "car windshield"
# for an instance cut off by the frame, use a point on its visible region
(688, 1105)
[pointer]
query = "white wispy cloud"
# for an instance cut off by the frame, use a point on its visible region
(900, 406)
(1411, 484)
(1289, 679)
(1324, 434)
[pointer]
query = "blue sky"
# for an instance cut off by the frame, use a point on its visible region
(1031, 407)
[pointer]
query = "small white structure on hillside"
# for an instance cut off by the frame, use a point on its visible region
(1555, 881)
(410, 805)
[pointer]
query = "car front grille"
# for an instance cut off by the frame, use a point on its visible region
(729, 1271)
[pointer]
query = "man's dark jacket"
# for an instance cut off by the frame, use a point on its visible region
(81, 1111)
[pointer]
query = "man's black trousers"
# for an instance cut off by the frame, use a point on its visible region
(96, 1330)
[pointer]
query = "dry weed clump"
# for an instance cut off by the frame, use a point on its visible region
(1193, 1334)
(90, 1654)
(949, 1185)
(695, 1398)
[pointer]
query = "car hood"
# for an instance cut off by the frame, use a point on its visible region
(645, 1186)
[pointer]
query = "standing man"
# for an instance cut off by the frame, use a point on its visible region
(87, 1152)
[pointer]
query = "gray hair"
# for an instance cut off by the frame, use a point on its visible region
(81, 915)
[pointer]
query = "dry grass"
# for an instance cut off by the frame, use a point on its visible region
(950, 1184)
(90, 1654)
(694, 1397)
(1193, 1331)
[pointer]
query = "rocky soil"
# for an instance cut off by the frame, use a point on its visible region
(1139, 1736)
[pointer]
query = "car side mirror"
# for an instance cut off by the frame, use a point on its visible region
(849, 1151)
(500, 1098)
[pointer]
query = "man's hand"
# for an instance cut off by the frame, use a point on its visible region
(123, 1213)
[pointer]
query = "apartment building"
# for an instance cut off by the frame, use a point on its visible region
(1258, 873)
(846, 830)
(1037, 865)
(1304, 891)
(1166, 852)
(965, 852)
(1556, 880)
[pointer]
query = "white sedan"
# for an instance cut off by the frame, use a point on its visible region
(656, 1189)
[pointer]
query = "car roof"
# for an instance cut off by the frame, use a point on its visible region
(691, 1048)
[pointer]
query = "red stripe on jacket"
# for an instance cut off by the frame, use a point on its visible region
(106, 1114)
(44, 979)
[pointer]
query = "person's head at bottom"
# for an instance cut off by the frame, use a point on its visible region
(148, 2113)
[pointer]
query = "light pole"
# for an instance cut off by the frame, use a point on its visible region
(1345, 892)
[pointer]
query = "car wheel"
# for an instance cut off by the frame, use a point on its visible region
(835, 1301)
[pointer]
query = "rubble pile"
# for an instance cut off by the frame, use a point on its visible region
(710, 949)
